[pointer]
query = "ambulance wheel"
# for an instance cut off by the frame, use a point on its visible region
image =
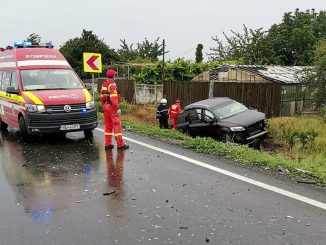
(88, 133)
(23, 130)
(3, 125)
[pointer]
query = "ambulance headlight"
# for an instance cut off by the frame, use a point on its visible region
(35, 108)
(90, 105)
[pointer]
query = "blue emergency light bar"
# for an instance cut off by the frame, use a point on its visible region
(22, 44)
(25, 44)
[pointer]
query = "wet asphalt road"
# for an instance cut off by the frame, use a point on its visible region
(51, 192)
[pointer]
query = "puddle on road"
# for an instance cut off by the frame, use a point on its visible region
(52, 173)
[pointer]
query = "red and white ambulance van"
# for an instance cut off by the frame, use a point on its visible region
(40, 92)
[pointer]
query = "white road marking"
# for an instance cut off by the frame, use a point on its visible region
(231, 174)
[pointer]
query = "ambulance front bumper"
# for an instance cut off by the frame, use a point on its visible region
(61, 122)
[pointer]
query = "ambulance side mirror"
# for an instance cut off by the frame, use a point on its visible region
(11, 90)
(88, 86)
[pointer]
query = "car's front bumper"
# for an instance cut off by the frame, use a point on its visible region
(256, 136)
(248, 138)
(52, 123)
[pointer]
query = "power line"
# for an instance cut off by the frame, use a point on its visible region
(185, 52)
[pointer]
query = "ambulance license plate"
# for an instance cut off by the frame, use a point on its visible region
(70, 127)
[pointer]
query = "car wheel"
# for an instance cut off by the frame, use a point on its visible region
(256, 144)
(226, 138)
(188, 132)
(88, 133)
(23, 130)
(3, 125)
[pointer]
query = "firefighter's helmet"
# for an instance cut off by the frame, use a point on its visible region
(164, 101)
(110, 73)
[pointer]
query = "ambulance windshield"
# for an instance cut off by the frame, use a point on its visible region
(49, 79)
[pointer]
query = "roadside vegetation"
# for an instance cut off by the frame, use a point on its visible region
(300, 138)
(305, 159)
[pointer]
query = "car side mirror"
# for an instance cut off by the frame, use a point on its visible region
(251, 108)
(88, 86)
(11, 90)
(208, 119)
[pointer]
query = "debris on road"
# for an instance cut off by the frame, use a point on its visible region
(109, 193)
(307, 182)
(281, 169)
(303, 171)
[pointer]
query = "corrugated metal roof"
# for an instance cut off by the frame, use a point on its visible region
(280, 74)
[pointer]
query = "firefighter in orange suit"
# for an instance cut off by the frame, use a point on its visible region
(110, 103)
(174, 111)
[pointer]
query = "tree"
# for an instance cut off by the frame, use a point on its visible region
(150, 50)
(127, 52)
(316, 75)
(294, 39)
(248, 47)
(34, 38)
(199, 53)
(290, 42)
(74, 48)
(147, 51)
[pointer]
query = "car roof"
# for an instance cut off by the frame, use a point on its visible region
(208, 103)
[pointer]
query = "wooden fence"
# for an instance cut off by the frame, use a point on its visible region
(127, 88)
(266, 97)
(187, 91)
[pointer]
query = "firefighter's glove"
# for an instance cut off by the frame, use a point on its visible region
(119, 112)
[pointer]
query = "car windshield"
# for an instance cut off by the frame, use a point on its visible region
(49, 79)
(229, 109)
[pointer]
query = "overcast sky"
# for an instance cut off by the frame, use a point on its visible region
(182, 23)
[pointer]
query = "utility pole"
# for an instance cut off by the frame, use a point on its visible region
(163, 72)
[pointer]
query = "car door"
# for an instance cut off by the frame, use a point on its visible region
(183, 120)
(196, 123)
(209, 121)
(14, 98)
(6, 109)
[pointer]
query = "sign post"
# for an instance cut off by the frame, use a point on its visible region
(93, 64)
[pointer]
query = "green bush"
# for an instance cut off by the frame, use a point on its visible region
(306, 138)
(290, 136)
(179, 70)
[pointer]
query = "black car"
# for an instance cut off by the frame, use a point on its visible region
(223, 119)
